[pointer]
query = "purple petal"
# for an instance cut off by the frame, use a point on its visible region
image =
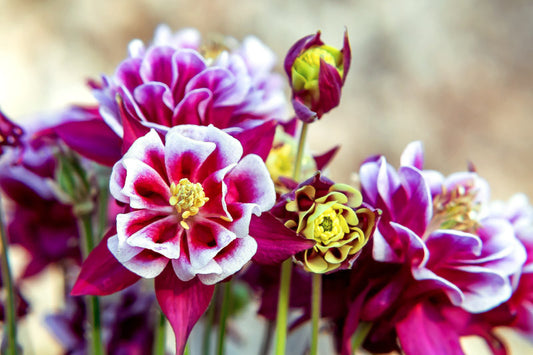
(346, 56)
(276, 242)
(127, 73)
(425, 331)
(102, 274)
(323, 159)
(329, 86)
(297, 49)
(413, 155)
(157, 66)
(155, 102)
(258, 139)
(194, 108)
(303, 112)
(183, 303)
(188, 64)
(92, 139)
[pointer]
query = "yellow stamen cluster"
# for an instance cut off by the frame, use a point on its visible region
(187, 198)
(455, 209)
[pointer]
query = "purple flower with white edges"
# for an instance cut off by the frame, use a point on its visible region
(178, 80)
(435, 246)
(190, 203)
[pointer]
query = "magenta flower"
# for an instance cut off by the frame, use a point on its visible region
(433, 243)
(316, 73)
(190, 201)
(180, 80)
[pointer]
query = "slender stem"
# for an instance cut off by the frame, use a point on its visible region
(315, 311)
(93, 305)
(286, 267)
(360, 335)
(300, 152)
(160, 338)
(283, 306)
(187, 350)
(210, 316)
(11, 315)
(267, 338)
(223, 317)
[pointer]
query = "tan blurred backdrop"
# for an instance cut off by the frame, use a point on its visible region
(457, 75)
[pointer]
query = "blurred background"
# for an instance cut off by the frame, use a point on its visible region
(456, 75)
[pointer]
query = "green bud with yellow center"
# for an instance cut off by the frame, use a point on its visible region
(306, 67)
(187, 198)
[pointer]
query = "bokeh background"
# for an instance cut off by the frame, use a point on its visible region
(455, 74)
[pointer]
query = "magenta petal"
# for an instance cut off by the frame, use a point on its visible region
(303, 112)
(183, 303)
(102, 274)
(92, 139)
(323, 159)
(275, 242)
(257, 140)
(413, 155)
(329, 86)
(425, 331)
(155, 102)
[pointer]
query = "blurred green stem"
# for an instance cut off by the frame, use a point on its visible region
(160, 335)
(10, 313)
(93, 305)
(315, 311)
(223, 317)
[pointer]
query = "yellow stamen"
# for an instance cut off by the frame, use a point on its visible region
(187, 198)
(455, 209)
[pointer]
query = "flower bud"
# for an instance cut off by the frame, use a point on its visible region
(316, 73)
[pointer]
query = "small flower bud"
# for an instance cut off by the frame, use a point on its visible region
(316, 73)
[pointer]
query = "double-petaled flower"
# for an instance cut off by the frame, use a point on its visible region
(190, 199)
(434, 248)
(178, 80)
(316, 73)
(332, 216)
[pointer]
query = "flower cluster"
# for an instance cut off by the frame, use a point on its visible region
(189, 172)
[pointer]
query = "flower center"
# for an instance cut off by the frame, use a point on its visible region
(455, 209)
(187, 198)
(306, 67)
(329, 227)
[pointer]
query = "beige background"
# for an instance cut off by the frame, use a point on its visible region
(455, 74)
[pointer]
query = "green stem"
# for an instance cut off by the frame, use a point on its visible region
(286, 267)
(210, 316)
(300, 152)
(223, 317)
(360, 335)
(315, 311)
(93, 305)
(11, 315)
(160, 338)
(187, 350)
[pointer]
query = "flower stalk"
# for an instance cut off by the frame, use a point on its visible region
(223, 318)
(160, 335)
(315, 311)
(93, 304)
(11, 321)
(286, 266)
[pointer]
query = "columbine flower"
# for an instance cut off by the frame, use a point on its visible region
(316, 73)
(331, 215)
(437, 247)
(180, 80)
(190, 201)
